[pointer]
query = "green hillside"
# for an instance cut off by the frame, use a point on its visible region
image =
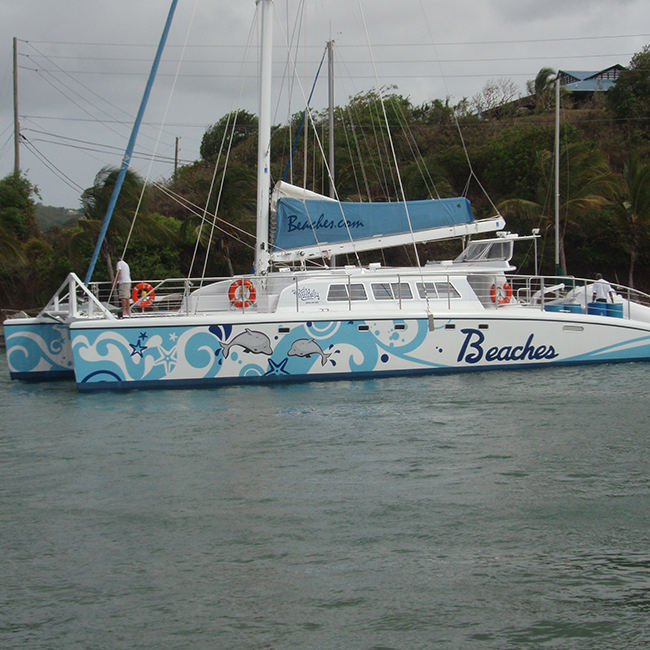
(48, 216)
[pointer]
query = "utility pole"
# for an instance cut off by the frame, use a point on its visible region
(16, 125)
(176, 157)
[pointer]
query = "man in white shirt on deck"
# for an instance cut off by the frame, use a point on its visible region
(602, 290)
(123, 281)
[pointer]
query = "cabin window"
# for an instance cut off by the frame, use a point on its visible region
(500, 251)
(381, 291)
(402, 290)
(392, 291)
(427, 290)
(433, 290)
(339, 292)
(490, 250)
(446, 290)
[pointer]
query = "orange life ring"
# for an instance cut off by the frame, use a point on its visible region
(242, 294)
(143, 294)
(501, 294)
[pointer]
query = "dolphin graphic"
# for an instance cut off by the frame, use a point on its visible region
(251, 341)
(307, 347)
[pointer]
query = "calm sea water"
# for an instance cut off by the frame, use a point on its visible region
(494, 510)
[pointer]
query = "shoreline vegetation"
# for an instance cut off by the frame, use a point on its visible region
(604, 187)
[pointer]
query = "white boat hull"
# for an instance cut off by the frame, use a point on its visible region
(143, 353)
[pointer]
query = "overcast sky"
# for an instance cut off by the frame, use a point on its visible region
(83, 66)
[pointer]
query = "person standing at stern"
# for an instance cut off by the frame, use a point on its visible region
(123, 282)
(602, 290)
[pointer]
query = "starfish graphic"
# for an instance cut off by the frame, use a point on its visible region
(173, 336)
(167, 358)
(277, 368)
(138, 348)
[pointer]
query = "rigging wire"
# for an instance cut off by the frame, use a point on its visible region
(304, 116)
(151, 161)
(324, 158)
(425, 174)
(346, 132)
(227, 157)
(460, 131)
(205, 215)
(394, 154)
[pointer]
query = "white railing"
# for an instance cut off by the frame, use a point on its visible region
(183, 296)
(541, 291)
(73, 299)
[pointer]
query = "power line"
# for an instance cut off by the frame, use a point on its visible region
(51, 166)
(84, 145)
(482, 59)
(93, 121)
(340, 45)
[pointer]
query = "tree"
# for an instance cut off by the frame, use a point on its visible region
(586, 183)
(635, 207)
(17, 208)
(231, 130)
(233, 201)
(10, 248)
(509, 160)
(497, 94)
(630, 96)
(542, 88)
(133, 198)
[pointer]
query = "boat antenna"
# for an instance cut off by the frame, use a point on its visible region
(131, 144)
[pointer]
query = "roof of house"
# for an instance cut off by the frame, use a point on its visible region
(590, 81)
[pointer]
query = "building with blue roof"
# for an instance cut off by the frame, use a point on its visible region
(576, 81)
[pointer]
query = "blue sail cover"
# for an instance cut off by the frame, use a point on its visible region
(301, 223)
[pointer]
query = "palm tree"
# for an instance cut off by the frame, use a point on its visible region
(541, 88)
(586, 183)
(132, 199)
(635, 206)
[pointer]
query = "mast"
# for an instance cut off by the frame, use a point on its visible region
(330, 88)
(330, 96)
(557, 175)
(131, 144)
(264, 140)
(16, 123)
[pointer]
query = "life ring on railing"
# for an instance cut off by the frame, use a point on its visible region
(501, 293)
(242, 294)
(143, 294)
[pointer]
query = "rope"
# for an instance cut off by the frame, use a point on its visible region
(317, 139)
(390, 138)
(225, 167)
(164, 120)
(472, 174)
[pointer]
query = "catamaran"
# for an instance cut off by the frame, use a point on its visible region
(288, 322)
